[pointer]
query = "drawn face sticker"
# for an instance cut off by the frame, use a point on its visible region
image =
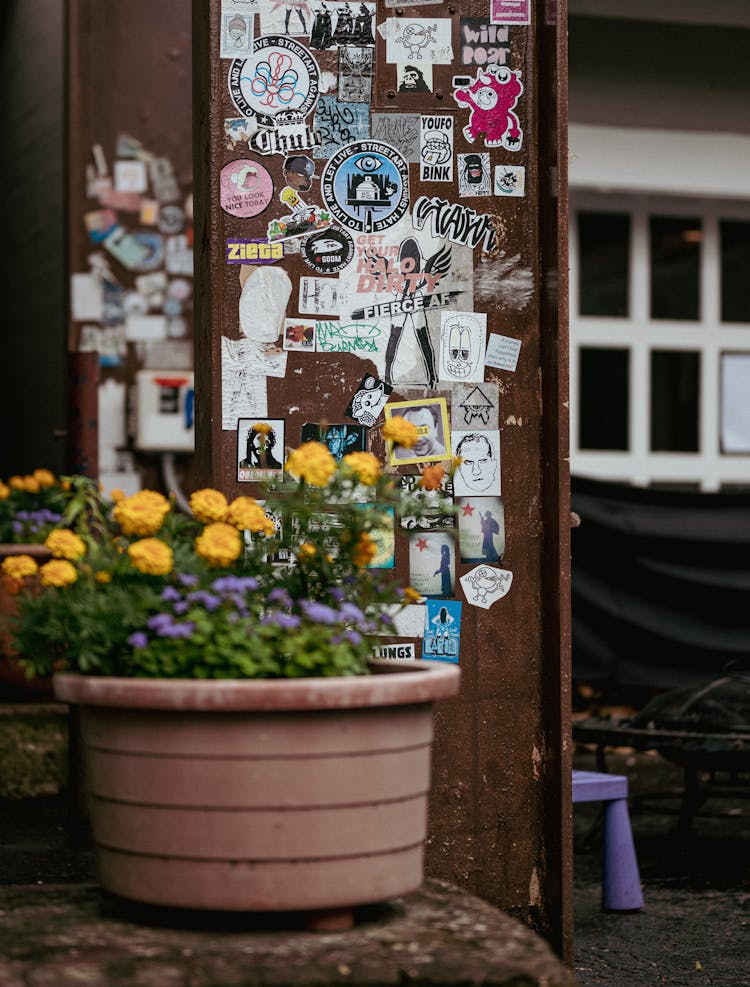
(459, 350)
(479, 466)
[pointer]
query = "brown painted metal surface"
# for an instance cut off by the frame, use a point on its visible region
(501, 800)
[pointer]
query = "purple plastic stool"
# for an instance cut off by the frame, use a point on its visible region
(621, 887)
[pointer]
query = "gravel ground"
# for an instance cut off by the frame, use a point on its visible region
(695, 926)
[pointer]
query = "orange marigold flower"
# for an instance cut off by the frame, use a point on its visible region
(151, 556)
(103, 577)
(31, 484)
(411, 595)
(432, 477)
(19, 566)
(306, 551)
(246, 514)
(263, 427)
(65, 544)
(312, 462)
(16, 483)
(364, 551)
(58, 572)
(401, 432)
(116, 495)
(209, 505)
(219, 544)
(142, 514)
(366, 467)
(44, 478)
(4, 491)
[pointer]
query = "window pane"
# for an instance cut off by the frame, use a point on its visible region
(735, 402)
(603, 249)
(735, 271)
(603, 399)
(674, 401)
(675, 267)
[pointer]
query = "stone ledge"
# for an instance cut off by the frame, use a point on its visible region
(33, 749)
(439, 935)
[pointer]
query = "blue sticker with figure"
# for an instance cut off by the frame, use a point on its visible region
(442, 630)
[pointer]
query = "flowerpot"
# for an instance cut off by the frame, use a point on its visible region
(13, 680)
(268, 795)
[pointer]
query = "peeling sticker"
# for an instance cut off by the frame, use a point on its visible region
(485, 585)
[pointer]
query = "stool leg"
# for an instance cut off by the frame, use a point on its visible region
(621, 888)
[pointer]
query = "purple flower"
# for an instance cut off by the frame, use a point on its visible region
(318, 612)
(158, 621)
(17, 527)
(279, 595)
(177, 630)
(286, 621)
(337, 594)
(182, 606)
(351, 612)
(187, 579)
(209, 600)
(139, 639)
(234, 584)
(171, 593)
(352, 636)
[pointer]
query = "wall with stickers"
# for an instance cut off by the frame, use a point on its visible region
(376, 224)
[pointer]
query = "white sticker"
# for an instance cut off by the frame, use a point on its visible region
(130, 176)
(409, 621)
(396, 652)
(140, 327)
(474, 175)
(422, 40)
(479, 469)
(236, 34)
(299, 335)
(263, 302)
(502, 352)
(243, 391)
(318, 296)
(462, 336)
(436, 148)
(86, 301)
(485, 585)
(475, 406)
(510, 180)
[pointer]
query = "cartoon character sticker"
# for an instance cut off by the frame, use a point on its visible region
(442, 630)
(369, 400)
(485, 585)
(340, 439)
(365, 185)
(491, 99)
(462, 342)
(246, 188)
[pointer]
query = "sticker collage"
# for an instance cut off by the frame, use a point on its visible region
(355, 221)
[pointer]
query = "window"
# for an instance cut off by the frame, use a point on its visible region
(660, 340)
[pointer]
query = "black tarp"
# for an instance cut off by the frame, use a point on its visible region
(660, 585)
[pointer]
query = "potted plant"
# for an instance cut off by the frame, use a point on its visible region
(242, 750)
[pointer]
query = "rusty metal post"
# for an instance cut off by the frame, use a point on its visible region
(479, 191)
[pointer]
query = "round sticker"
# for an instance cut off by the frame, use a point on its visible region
(329, 251)
(171, 219)
(246, 188)
(280, 75)
(365, 185)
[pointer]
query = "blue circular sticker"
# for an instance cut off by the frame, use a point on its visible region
(365, 186)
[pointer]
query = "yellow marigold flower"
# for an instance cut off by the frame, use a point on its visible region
(364, 550)
(219, 544)
(44, 478)
(411, 595)
(103, 577)
(141, 514)
(117, 495)
(401, 432)
(4, 491)
(151, 556)
(19, 566)
(365, 465)
(263, 427)
(65, 544)
(246, 514)
(65, 485)
(312, 462)
(30, 484)
(209, 505)
(457, 460)
(58, 572)
(306, 551)
(432, 478)
(16, 483)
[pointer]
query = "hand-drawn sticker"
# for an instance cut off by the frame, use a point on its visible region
(301, 220)
(502, 352)
(483, 43)
(260, 449)
(481, 529)
(430, 416)
(414, 78)
(318, 296)
(236, 40)
(241, 250)
(432, 563)
(436, 148)
(328, 252)
(299, 335)
(338, 123)
(400, 130)
(462, 344)
(335, 26)
(442, 631)
(413, 39)
(436, 506)
(368, 401)
(245, 188)
(286, 17)
(510, 11)
(510, 180)
(491, 99)
(366, 186)
(299, 171)
(485, 585)
(474, 406)
(281, 74)
(340, 439)
(348, 337)
(474, 175)
(479, 469)
(455, 222)
(355, 75)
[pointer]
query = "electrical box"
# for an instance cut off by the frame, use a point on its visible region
(164, 411)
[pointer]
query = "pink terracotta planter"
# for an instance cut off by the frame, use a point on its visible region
(260, 795)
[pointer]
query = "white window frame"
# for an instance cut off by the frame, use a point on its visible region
(709, 468)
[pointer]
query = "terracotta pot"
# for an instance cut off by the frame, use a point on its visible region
(12, 675)
(269, 795)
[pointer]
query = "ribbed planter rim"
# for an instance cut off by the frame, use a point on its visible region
(393, 683)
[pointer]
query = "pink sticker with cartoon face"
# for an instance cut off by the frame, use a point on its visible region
(246, 188)
(491, 99)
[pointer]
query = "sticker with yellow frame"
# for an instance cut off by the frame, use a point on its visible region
(430, 416)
